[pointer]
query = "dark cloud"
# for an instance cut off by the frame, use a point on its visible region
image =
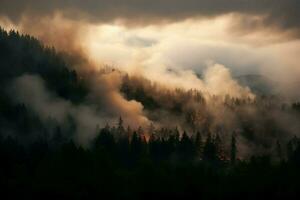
(278, 13)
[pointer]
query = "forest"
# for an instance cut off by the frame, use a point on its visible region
(185, 149)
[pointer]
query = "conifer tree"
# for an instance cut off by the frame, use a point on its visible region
(198, 143)
(233, 150)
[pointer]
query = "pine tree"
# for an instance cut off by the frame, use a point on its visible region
(105, 140)
(151, 129)
(233, 149)
(186, 146)
(128, 132)
(120, 122)
(219, 147)
(136, 145)
(279, 150)
(177, 136)
(198, 143)
(140, 131)
(209, 150)
(121, 129)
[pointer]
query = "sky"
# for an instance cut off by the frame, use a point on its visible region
(171, 41)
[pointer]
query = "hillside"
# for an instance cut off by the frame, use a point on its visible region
(51, 143)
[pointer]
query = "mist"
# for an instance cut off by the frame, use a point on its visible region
(139, 99)
(204, 54)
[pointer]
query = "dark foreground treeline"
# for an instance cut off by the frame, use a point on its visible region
(133, 167)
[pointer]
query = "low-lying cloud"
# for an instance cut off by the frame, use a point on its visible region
(108, 104)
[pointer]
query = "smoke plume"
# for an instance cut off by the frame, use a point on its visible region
(179, 69)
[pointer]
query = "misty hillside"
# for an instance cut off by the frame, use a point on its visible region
(149, 99)
(104, 133)
(23, 54)
(41, 87)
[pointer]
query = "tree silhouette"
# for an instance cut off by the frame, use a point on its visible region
(233, 149)
(136, 146)
(186, 147)
(279, 153)
(199, 144)
(209, 150)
